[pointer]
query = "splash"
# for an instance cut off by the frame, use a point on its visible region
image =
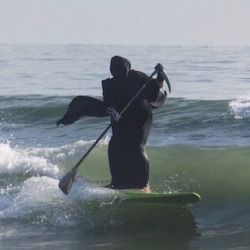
(240, 108)
(38, 200)
(65, 152)
(32, 196)
(21, 161)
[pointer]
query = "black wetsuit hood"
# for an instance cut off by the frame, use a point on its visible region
(119, 67)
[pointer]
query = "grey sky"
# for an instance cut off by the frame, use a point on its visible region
(165, 22)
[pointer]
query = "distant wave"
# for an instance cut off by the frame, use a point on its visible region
(240, 107)
(201, 122)
(25, 109)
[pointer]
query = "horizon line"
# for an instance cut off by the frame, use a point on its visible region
(123, 44)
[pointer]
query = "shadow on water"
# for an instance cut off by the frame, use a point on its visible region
(119, 226)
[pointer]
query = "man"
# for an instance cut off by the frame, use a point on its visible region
(129, 165)
(128, 161)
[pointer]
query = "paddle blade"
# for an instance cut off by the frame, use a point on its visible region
(66, 182)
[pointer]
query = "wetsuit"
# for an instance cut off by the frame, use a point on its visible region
(128, 161)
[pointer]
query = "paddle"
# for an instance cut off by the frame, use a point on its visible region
(67, 181)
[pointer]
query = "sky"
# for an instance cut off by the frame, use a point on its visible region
(135, 22)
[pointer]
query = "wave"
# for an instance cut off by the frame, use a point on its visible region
(31, 109)
(180, 121)
(220, 175)
(17, 160)
(173, 168)
(35, 108)
(215, 173)
(240, 108)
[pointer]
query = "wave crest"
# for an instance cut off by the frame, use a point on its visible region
(20, 161)
(240, 108)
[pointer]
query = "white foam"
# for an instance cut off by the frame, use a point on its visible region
(34, 195)
(38, 198)
(40, 201)
(64, 152)
(240, 108)
(16, 160)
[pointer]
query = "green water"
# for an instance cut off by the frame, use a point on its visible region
(214, 173)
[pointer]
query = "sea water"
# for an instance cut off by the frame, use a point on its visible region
(200, 142)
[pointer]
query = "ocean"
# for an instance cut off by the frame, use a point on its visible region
(200, 142)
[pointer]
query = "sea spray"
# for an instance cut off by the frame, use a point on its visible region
(240, 107)
(19, 161)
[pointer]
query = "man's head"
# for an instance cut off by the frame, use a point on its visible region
(119, 66)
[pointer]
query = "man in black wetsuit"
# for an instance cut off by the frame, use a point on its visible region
(128, 161)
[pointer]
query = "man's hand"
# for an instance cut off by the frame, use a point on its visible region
(113, 113)
(159, 67)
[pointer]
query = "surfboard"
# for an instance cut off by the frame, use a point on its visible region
(136, 196)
